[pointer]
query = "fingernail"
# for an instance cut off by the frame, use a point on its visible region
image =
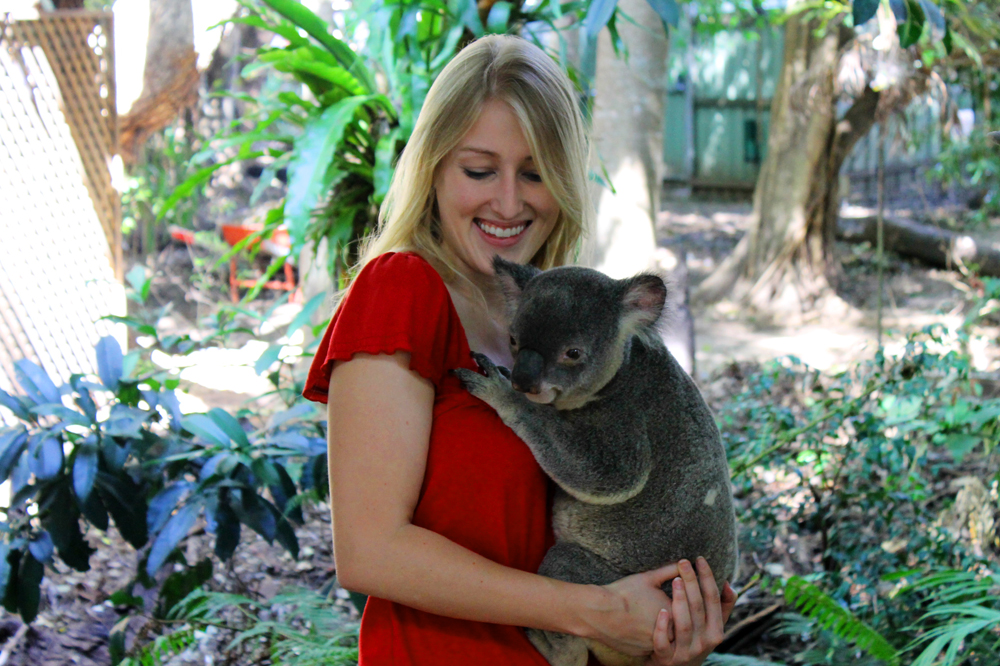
(702, 562)
(678, 584)
(686, 566)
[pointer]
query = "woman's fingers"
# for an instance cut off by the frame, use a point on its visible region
(681, 615)
(657, 577)
(663, 640)
(729, 598)
(714, 620)
(692, 589)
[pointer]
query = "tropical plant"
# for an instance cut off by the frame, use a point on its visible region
(299, 626)
(120, 450)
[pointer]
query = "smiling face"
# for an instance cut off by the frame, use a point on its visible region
(490, 195)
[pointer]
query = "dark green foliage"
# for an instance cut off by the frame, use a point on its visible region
(814, 603)
(133, 463)
(847, 468)
(299, 627)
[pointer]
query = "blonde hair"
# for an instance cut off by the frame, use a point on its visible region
(495, 67)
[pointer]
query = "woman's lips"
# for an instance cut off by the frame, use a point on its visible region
(496, 234)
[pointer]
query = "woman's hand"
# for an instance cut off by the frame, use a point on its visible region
(692, 626)
(629, 621)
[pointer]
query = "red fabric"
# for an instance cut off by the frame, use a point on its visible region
(482, 488)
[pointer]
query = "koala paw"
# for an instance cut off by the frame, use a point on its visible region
(493, 387)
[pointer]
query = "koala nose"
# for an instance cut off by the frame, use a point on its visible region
(527, 374)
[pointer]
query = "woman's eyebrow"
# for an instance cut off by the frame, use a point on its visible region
(488, 153)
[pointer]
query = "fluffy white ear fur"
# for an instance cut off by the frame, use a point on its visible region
(513, 278)
(643, 302)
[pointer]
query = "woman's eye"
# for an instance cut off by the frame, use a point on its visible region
(477, 175)
(573, 354)
(533, 176)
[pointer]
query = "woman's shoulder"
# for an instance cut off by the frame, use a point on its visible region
(401, 265)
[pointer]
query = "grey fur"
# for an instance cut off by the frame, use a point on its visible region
(641, 472)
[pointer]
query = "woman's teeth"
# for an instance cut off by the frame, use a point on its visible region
(501, 233)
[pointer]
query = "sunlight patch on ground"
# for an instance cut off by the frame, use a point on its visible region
(220, 369)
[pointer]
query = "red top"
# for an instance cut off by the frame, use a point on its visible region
(482, 487)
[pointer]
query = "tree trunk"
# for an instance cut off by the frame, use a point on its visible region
(786, 263)
(170, 79)
(787, 251)
(628, 139)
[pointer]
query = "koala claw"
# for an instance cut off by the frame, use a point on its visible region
(491, 386)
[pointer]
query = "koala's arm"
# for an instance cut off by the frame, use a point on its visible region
(603, 458)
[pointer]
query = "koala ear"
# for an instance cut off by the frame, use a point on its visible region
(513, 277)
(643, 302)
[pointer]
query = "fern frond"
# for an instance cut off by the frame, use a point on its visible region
(817, 605)
(966, 620)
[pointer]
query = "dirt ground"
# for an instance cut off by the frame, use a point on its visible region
(915, 296)
(76, 617)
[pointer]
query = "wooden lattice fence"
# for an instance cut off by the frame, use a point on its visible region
(79, 48)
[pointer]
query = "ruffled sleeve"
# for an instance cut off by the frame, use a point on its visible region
(398, 302)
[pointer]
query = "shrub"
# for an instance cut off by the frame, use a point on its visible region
(124, 453)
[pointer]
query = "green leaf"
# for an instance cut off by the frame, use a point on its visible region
(318, 29)
(267, 359)
(306, 313)
(14, 405)
(203, 426)
(228, 424)
(62, 413)
(254, 512)
(176, 529)
(667, 10)
(126, 503)
(5, 568)
(163, 504)
(109, 362)
(862, 10)
(314, 151)
(41, 547)
(29, 594)
(180, 584)
(598, 14)
(227, 530)
(139, 282)
(910, 30)
(11, 593)
(85, 468)
(45, 457)
(199, 178)
(12, 443)
(116, 640)
(36, 383)
(961, 444)
(385, 153)
(470, 17)
(814, 603)
(499, 17)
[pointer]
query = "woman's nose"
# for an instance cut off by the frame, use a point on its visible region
(507, 199)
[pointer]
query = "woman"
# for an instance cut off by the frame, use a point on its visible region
(440, 512)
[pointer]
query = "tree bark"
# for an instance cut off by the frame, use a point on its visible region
(788, 244)
(628, 140)
(932, 245)
(170, 80)
(786, 263)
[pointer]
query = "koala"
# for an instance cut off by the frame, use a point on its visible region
(641, 473)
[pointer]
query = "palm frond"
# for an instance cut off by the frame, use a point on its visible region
(817, 605)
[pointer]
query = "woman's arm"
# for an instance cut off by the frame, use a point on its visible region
(380, 422)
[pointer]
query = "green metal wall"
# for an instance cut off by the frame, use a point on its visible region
(729, 69)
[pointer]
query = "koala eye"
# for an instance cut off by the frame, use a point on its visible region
(513, 342)
(573, 354)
